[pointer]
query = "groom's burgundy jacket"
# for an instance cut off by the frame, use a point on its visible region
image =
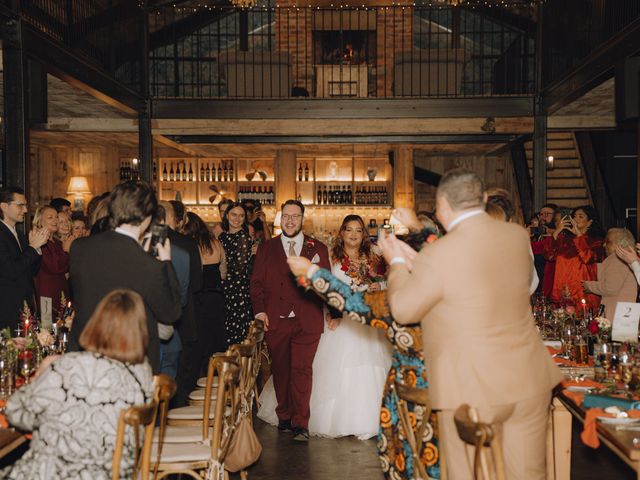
(274, 289)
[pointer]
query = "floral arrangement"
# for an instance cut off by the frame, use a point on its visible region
(364, 270)
(600, 326)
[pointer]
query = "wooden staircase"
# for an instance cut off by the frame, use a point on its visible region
(566, 185)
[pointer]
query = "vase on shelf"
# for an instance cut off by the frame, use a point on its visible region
(371, 173)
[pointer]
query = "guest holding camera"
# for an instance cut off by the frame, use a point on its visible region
(577, 248)
(73, 404)
(115, 259)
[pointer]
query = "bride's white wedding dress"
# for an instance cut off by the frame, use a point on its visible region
(349, 372)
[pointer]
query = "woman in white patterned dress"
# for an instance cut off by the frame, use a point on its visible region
(73, 404)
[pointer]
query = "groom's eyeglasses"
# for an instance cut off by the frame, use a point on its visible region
(295, 217)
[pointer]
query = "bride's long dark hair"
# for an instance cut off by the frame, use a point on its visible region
(337, 252)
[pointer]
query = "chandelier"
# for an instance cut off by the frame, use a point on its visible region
(243, 3)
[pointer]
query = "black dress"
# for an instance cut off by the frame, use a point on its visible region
(237, 300)
(210, 312)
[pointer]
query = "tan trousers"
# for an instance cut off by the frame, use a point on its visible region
(524, 434)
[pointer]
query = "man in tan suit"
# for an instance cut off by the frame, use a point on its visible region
(616, 282)
(470, 291)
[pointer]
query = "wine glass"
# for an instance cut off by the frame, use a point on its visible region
(626, 374)
(26, 365)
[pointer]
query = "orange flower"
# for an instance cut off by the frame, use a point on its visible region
(411, 378)
(385, 417)
(429, 454)
(412, 420)
(379, 324)
(400, 463)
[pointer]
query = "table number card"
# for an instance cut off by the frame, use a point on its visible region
(625, 322)
(46, 312)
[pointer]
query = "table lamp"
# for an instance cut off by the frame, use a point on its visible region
(78, 186)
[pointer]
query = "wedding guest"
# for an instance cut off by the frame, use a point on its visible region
(544, 247)
(616, 282)
(19, 258)
(257, 220)
(187, 325)
(470, 291)
(239, 252)
(210, 300)
(222, 207)
(51, 279)
(99, 218)
(540, 229)
(577, 248)
(630, 256)
(73, 404)
(407, 365)
(61, 205)
(93, 203)
(115, 259)
(79, 225)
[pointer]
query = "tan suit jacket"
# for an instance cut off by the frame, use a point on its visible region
(616, 283)
(470, 291)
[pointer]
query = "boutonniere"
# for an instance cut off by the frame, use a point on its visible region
(309, 243)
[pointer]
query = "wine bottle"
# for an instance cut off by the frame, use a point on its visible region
(190, 172)
(202, 173)
(225, 170)
(172, 176)
(220, 171)
(349, 195)
(165, 175)
(272, 196)
(306, 172)
(300, 172)
(155, 171)
(319, 195)
(231, 170)
(324, 195)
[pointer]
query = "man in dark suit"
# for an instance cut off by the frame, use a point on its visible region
(188, 363)
(115, 259)
(294, 320)
(19, 260)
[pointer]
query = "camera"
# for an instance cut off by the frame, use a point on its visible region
(158, 237)
(386, 227)
(538, 231)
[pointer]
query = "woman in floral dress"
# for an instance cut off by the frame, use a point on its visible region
(239, 251)
(407, 367)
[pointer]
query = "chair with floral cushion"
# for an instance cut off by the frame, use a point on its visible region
(481, 435)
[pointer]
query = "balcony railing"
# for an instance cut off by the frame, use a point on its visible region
(106, 34)
(381, 52)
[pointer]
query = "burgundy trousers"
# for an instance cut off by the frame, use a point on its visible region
(292, 352)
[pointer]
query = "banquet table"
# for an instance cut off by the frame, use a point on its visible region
(10, 440)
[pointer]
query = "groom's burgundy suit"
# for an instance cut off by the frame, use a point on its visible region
(292, 340)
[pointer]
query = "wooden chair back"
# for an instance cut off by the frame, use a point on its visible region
(164, 389)
(227, 406)
(136, 417)
(481, 435)
(419, 397)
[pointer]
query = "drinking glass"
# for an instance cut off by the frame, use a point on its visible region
(581, 349)
(25, 361)
(7, 372)
(63, 340)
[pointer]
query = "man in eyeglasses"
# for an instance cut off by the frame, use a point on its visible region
(19, 259)
(294, 320)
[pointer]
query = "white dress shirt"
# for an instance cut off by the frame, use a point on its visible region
(635, 267)
(127, 233)
(13, 230)
(298, 239)
(463, 217)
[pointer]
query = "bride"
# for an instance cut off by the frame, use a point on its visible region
(352, 360)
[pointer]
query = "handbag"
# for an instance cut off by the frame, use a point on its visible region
(244, 449)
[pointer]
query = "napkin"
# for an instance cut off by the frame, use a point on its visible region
(589, 436)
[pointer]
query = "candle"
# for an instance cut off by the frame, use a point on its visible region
(584, 308)
(26, 327)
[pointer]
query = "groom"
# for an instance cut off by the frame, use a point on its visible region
(293, 319)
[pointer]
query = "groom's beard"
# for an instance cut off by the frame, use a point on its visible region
(293, 234)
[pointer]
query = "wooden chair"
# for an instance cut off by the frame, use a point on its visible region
(481, 435)
(136, 417)
(164, 389)
(199, 459)
(420, 398)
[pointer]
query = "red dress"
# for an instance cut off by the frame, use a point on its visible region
(576, 259)
(51, 280)
(543, 247)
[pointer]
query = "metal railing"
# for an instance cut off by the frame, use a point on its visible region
(381, 52)
(106, 34)
(572, 29)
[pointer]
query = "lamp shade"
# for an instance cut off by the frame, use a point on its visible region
(78, 186)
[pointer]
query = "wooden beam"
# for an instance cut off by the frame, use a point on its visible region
(338, 126)
(581, 122)
(420, 108)
(403, 178)
(71, 124)
(162, 140)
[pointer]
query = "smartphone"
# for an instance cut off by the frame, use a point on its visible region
(386, 227)
(158, 237)
(624, 243)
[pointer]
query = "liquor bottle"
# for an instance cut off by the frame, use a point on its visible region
(300, 172)
(272, 196)
(207, 173)
(165, 175)
(155, 171)
(231, 170)
(220, 171)
(306, 172)
(190, 171)
(349, 195)
(202, 173)
(319, 195)
(172, 176)
(344, 195)
(325, 195)
(225, 170)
